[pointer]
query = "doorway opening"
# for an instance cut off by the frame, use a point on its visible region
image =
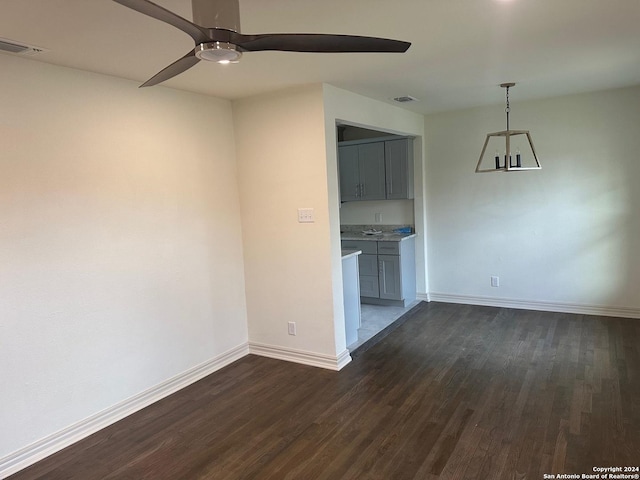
(381, 214)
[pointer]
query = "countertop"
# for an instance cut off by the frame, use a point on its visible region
(350, 252)
(381, 237)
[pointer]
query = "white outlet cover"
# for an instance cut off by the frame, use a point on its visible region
(291, 327)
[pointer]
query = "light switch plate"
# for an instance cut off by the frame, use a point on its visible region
(305, 215)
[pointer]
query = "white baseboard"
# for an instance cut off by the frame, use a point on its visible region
(601, 310)
(299, 356)
(424, 297)
(35, 452)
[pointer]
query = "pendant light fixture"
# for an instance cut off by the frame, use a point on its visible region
(504, 160)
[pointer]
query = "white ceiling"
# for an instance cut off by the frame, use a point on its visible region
(461, 49)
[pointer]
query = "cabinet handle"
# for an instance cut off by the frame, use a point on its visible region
(357, 191)
(383, 276)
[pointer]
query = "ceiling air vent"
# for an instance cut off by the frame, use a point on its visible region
(11, 46)
(405, 99)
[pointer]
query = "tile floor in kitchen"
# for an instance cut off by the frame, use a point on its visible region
(375, 318)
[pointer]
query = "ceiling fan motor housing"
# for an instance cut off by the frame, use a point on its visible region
(217, 14)
(221, 52)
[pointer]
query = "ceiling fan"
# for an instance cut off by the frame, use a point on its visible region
(221, 41)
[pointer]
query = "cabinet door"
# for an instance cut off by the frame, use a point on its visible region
(369, 286)
(368, 264)
(368, 268)
(389, 277)
(397, 169)
(372, 176)
(349, 173)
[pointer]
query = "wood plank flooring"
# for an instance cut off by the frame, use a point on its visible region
(454, 392)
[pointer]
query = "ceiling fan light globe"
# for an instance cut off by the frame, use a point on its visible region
(220, 52)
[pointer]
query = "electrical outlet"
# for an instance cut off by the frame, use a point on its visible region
(292, 328)
(495, 281)
(378, 218)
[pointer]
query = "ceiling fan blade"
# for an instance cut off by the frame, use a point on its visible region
(316, 42)
(146, 7)
(176, 68)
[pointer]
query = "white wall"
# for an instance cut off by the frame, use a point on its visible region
(282, 167)
(566, 235)
(120, 243)
(287, 160)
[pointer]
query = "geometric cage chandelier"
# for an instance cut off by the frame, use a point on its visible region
(503, 160)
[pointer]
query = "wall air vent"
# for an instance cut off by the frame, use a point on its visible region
(17, 48)
(405, 99)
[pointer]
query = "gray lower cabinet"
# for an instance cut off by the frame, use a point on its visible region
(368, 265)
(387, 271)
(389, 277)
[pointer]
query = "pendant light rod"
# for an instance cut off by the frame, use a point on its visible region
(507, 108)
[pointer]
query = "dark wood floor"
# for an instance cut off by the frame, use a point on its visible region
(454, 392)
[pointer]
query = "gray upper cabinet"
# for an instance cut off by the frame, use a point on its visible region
(398, 157)
(362, 175)
(376, 169)
(371, 163)
(349, 173)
